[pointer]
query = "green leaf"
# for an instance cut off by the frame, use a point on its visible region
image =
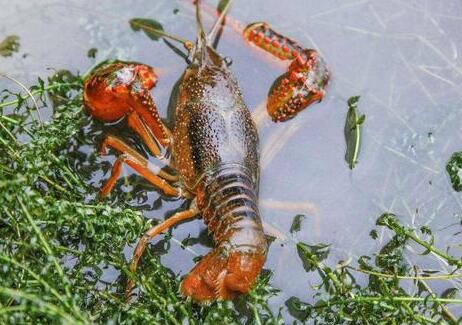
(298, 309)
(387, 220)
(92, 52)
(390, 257)
(297, 223)
(60, 94)
(312, 255)
(353, 132)
(430, 271)
(9, 45)
(427, 231)
(453, 168)
(152, 28)
(373, 233)
(353, 101)
(222, 5)
(450, 293)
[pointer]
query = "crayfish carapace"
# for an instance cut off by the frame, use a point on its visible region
(213, 151)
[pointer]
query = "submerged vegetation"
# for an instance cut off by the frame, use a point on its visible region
(9, 45)
(453, 168)
(57, 245)
(395, 293)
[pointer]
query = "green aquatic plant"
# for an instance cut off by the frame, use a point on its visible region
(453, 168)
(57, 244)
(9, 45)
(395, 293)
(352, 130)
(297, 223)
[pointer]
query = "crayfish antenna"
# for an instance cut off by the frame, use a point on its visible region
(201, 38)
(212, 35)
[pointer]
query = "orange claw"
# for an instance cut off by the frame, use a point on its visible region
(305, 79)
(263, 36)
(119, 89)
(222, 275)
(301, 85)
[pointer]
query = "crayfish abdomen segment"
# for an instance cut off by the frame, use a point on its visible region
(228, 201)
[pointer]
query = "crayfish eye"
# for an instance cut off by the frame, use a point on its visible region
(108, 91)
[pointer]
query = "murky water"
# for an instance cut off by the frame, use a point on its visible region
(402, 57)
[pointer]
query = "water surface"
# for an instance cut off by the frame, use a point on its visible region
(402, 57)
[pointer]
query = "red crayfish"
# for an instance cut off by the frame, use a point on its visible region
(213, 146)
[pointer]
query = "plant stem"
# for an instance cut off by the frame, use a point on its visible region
(39, 91)
(323, 268)
(390, 299)
(444, 310)
(36, 277)
(49, 181)
(390, 221)
(9, 119)
(37, 231)
(52, 308)
(451, 260)
(406, 277)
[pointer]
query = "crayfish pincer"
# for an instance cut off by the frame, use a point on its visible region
(305, 79)
(214, 152)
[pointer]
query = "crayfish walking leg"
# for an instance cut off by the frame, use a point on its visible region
(150, 234)
(122, 89)
(150, 172)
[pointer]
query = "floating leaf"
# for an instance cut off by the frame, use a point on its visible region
(222, 5)
(298, 309)
(430, 271)
(297, 223)
(453, 168)
(152, 28)
(92, 52)
(353, 132)
(189, 241)
(9, 45)
(373, 233)
(311, 255)
(450, 293)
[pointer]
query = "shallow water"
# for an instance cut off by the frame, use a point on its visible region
(402, 57)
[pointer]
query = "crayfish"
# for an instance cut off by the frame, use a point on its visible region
(212, 150)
